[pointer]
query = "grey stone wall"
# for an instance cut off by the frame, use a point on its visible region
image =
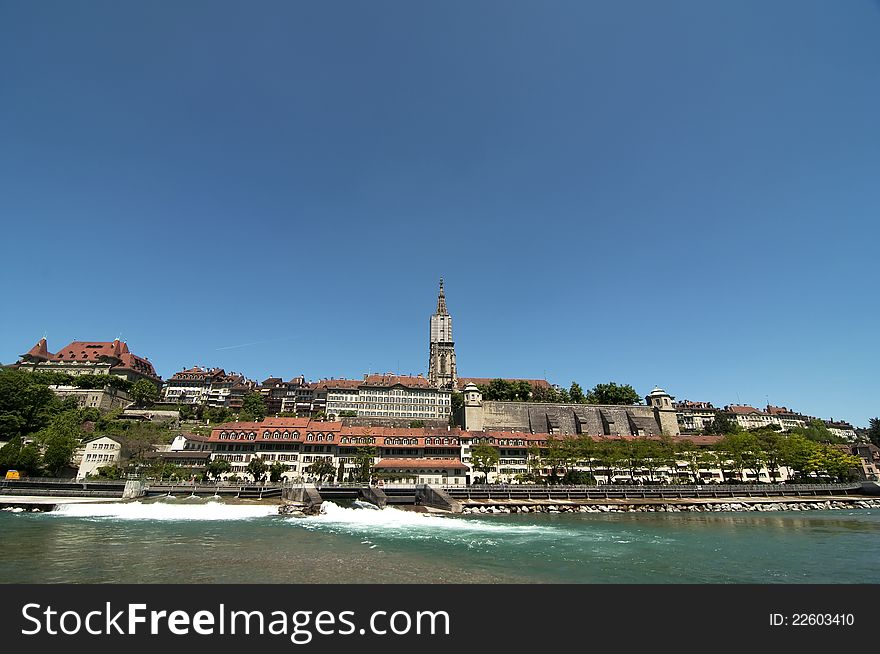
(543, 418)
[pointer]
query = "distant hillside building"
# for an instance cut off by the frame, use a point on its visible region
(386, 396)
(294, 396)
(103, 399)
(89, 358)
(97, 453)
(748, 417)
(214, 387)
(694, 416)
(842, 429)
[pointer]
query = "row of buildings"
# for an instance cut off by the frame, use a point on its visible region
(406, 455)
(694, 417)
(335, 409)
(385, 399)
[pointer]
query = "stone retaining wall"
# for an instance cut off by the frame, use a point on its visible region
(677, 508)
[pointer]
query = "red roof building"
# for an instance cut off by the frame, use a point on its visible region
(89, 358)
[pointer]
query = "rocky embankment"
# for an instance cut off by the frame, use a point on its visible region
(812, 505)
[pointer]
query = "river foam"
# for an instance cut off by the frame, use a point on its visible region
(163, 510)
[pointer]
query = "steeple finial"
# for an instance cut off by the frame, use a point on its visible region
(441, 301)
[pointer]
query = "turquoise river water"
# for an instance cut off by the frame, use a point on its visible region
(197, 541)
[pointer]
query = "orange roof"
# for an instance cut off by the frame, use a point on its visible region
(742, 409)
(94, 351)
(336, 383)
(39, 350)
(302, 426)
(393, 380)
(420, 463)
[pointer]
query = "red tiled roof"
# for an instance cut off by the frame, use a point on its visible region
(393, 380)
(39, 350)
(336, 383)
(421, 464)
(303, 426)
(741, 409)
(186, 454)
(79, 351)
(199, 438)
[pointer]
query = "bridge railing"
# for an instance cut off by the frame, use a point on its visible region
(655, 487)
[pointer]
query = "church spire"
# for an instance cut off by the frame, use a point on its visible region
(441, 301)
(441, 365)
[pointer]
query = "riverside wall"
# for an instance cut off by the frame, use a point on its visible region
(674, 506)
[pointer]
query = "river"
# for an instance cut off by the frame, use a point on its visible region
(198, 541)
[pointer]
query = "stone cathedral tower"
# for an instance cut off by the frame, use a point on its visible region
(441, 366)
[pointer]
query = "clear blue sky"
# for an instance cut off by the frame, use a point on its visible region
(682, 193)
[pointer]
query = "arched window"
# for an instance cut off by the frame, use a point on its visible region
(266, 434)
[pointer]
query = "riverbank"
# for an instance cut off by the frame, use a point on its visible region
(676, 506)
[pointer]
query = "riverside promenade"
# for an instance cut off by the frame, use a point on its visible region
(664, 498)
(45, 494)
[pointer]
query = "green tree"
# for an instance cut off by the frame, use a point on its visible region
(218, 467)
(521, 391)
(257, 467)
(60, 439)
(144, 392)
(457, 408)
(585, 449)
(108, 472)
(874, 431)
(27, 404)
(484, 458)
(24, 458)
(560, 455)
(838, 465)
(722, 424)
(771, 444)
(57, 455)
(690, 453)
(611, 393)
(738, 450)
(217, 415)
(498, 390)
(322, 468)
(416, 424)
(576, 393)
(253, 407)
(276, 470)
(817, 432)
(535, 463)
(797, 453)
(610, 457)
(162, 470)
(136, 439)
(363, 463)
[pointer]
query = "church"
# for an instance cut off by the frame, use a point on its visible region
(655, 418)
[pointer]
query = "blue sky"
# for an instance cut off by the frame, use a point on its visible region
(682, 193)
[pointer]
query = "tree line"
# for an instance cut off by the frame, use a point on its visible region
(522, 391)
(737, 456)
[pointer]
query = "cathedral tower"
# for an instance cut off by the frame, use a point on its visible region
(441, 366)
